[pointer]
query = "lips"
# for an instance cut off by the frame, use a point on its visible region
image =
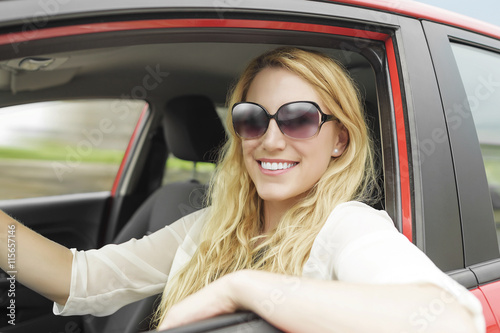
(275, 166)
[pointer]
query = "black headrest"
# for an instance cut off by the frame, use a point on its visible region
(193, 129)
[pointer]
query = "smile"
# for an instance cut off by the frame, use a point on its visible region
(276, 166)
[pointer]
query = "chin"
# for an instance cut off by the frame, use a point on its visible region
(272, 196)
(277, 196)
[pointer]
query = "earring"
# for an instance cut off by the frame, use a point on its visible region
(335, 151)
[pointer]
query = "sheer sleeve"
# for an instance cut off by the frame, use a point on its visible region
(361, 245)
(104, 280)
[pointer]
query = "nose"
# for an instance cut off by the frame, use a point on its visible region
(273, 139)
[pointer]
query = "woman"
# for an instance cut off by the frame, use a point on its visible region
(285, 234)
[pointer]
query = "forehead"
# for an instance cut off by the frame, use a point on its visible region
(273, 87)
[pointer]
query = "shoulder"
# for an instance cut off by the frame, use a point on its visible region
(192, 219)
(355, 224)
(188, 225)
(194, 222)
(352, 230)
(354, 215)
(198, 216)
(357, 208)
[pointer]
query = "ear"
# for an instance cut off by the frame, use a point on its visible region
(342, 141)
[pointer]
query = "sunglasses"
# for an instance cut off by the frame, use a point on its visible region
(297, 120)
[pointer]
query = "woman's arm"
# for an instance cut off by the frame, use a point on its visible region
(40, 264)
(304, 305)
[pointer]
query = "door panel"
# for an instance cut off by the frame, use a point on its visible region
(492, 294)
(491, 322)
(72, 220)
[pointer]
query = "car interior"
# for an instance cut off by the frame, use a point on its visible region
(185, 78)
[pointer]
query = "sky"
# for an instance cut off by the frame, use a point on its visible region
(485, 10)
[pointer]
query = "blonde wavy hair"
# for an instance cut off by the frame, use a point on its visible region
(231, 238)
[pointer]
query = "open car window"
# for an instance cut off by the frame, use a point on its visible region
(480, 73)
(63, 147)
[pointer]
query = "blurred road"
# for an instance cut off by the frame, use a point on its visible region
(34, 178)
(26, 178)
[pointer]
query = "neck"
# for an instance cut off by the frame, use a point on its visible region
(273, 212)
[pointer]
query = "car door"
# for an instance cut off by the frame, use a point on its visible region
(368, 50)
(467, 70)
(388, 57)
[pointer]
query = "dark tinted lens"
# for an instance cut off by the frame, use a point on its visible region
(299, 120)
(249, 120)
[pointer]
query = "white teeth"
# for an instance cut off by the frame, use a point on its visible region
(276, 166)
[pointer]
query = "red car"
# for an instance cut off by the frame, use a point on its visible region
(89, 156)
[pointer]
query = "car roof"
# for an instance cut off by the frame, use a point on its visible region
(424, 11)
(18, 11)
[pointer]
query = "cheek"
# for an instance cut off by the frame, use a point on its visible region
(318, 164)
(247, 149)
(318, 155)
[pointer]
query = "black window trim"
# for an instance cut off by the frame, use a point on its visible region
(437, 231)
(388, 135)
(476, 213)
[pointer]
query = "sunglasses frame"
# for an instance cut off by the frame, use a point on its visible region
(324, 118)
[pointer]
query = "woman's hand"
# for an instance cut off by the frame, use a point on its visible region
(296, 304)
(256, 291)
(213, 300)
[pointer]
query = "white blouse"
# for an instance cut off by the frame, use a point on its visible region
(356, 244)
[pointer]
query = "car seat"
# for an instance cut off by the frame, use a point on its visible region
(193, 132)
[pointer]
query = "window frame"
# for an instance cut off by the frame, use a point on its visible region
(398, 185)
(73, 154)
(414, 205)
(476, 213)
(437, 231)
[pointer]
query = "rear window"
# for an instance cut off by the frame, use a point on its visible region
(480, 72)
(63, 147)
